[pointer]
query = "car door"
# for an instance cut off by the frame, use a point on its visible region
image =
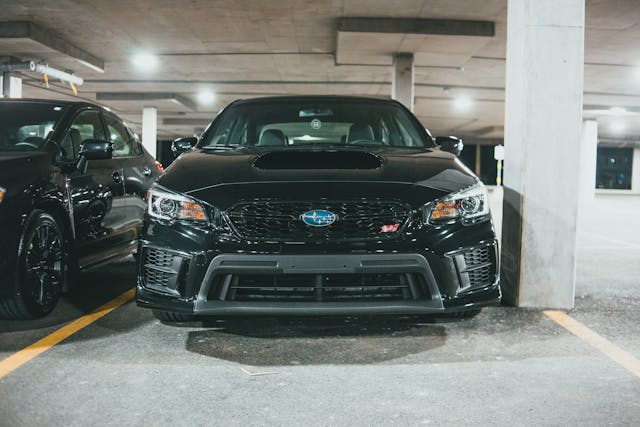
(99, 208)
(139, 169)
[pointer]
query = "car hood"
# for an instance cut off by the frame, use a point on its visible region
(200, 171)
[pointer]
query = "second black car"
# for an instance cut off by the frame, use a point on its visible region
(73, 183)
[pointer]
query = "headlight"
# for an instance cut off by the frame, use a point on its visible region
(2, 193)
(166, 205)
(469, 205)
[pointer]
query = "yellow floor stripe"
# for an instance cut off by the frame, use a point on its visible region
(615, 353)
(18, 359)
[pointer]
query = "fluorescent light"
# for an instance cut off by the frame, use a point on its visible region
(618, 111)
(462, 103)
(618, 126)
(145, 61)
(206, 97)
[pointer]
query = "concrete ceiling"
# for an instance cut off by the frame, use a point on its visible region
(243, 48)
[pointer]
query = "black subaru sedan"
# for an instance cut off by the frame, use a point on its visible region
(73, 183)
(317, 205)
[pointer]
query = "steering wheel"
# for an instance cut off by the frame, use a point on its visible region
(32, 141)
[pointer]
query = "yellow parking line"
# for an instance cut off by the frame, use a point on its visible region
(612, 351)
(18, 359)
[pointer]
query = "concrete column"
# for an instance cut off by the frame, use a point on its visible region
(588, 158)
(11, 86)
(635, 172)
(543, 118)
(150, 129)
(402, 89)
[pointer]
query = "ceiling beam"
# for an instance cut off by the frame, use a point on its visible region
(147, 96)
(449, 27)
(50, 39)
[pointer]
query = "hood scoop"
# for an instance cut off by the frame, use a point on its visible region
(278, 160)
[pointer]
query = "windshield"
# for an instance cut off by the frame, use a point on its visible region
(24, 126)
(326, 122)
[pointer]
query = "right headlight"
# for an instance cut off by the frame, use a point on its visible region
(164, 204)
(468, 205)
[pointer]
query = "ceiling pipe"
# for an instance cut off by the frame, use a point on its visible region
(33, 67)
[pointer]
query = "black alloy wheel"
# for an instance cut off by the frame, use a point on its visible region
(41, 270)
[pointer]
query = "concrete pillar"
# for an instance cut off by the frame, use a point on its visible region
(150, 129)
(543, 118)
(11, 86)
(402, 89)
(635, 172)
(588, 158)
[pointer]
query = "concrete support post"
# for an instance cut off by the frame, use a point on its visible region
(588, 158)
(402, 89)
(543, 118)
(11, 86)
(635, 172)
(150, 129)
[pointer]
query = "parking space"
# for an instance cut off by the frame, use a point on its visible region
(507, 366)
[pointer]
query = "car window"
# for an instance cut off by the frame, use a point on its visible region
(136, 145)
(24, 126)
(325, 122)
(86, 125)
(122, 144)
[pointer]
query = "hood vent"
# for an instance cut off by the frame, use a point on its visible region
(318, 160)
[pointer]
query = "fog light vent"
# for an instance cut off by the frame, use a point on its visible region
(476, 267)
(162, 270)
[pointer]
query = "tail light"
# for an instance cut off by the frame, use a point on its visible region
(160, 167)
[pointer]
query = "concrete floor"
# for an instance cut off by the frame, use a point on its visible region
(507, 366)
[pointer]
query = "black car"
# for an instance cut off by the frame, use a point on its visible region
(73, 183)
(317, 205)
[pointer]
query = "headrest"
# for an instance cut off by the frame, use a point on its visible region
(272, 137)
(360, 132)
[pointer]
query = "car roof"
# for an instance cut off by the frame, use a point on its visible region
(313, 98)
(51, 101)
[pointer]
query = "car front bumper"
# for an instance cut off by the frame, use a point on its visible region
(202, 283)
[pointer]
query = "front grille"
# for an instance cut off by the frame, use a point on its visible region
(162, 270)
(477, 267)
(318, 287)
(265, 219)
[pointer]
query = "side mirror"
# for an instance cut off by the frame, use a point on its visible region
(94, 149)
(182, 145)
(450, 144)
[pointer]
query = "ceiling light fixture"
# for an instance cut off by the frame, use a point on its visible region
(206, 97)
(462, 103)
(145, 61)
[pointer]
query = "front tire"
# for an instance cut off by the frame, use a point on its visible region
(40, 270)
(467, 314)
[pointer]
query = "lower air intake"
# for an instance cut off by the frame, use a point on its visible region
(319, 287)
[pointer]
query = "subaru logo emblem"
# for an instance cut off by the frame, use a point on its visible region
(318, 218)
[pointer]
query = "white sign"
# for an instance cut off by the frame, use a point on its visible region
(498, 152)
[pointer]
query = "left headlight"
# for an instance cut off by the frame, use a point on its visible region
(164, 204)
(2, 193)
(468, 205)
